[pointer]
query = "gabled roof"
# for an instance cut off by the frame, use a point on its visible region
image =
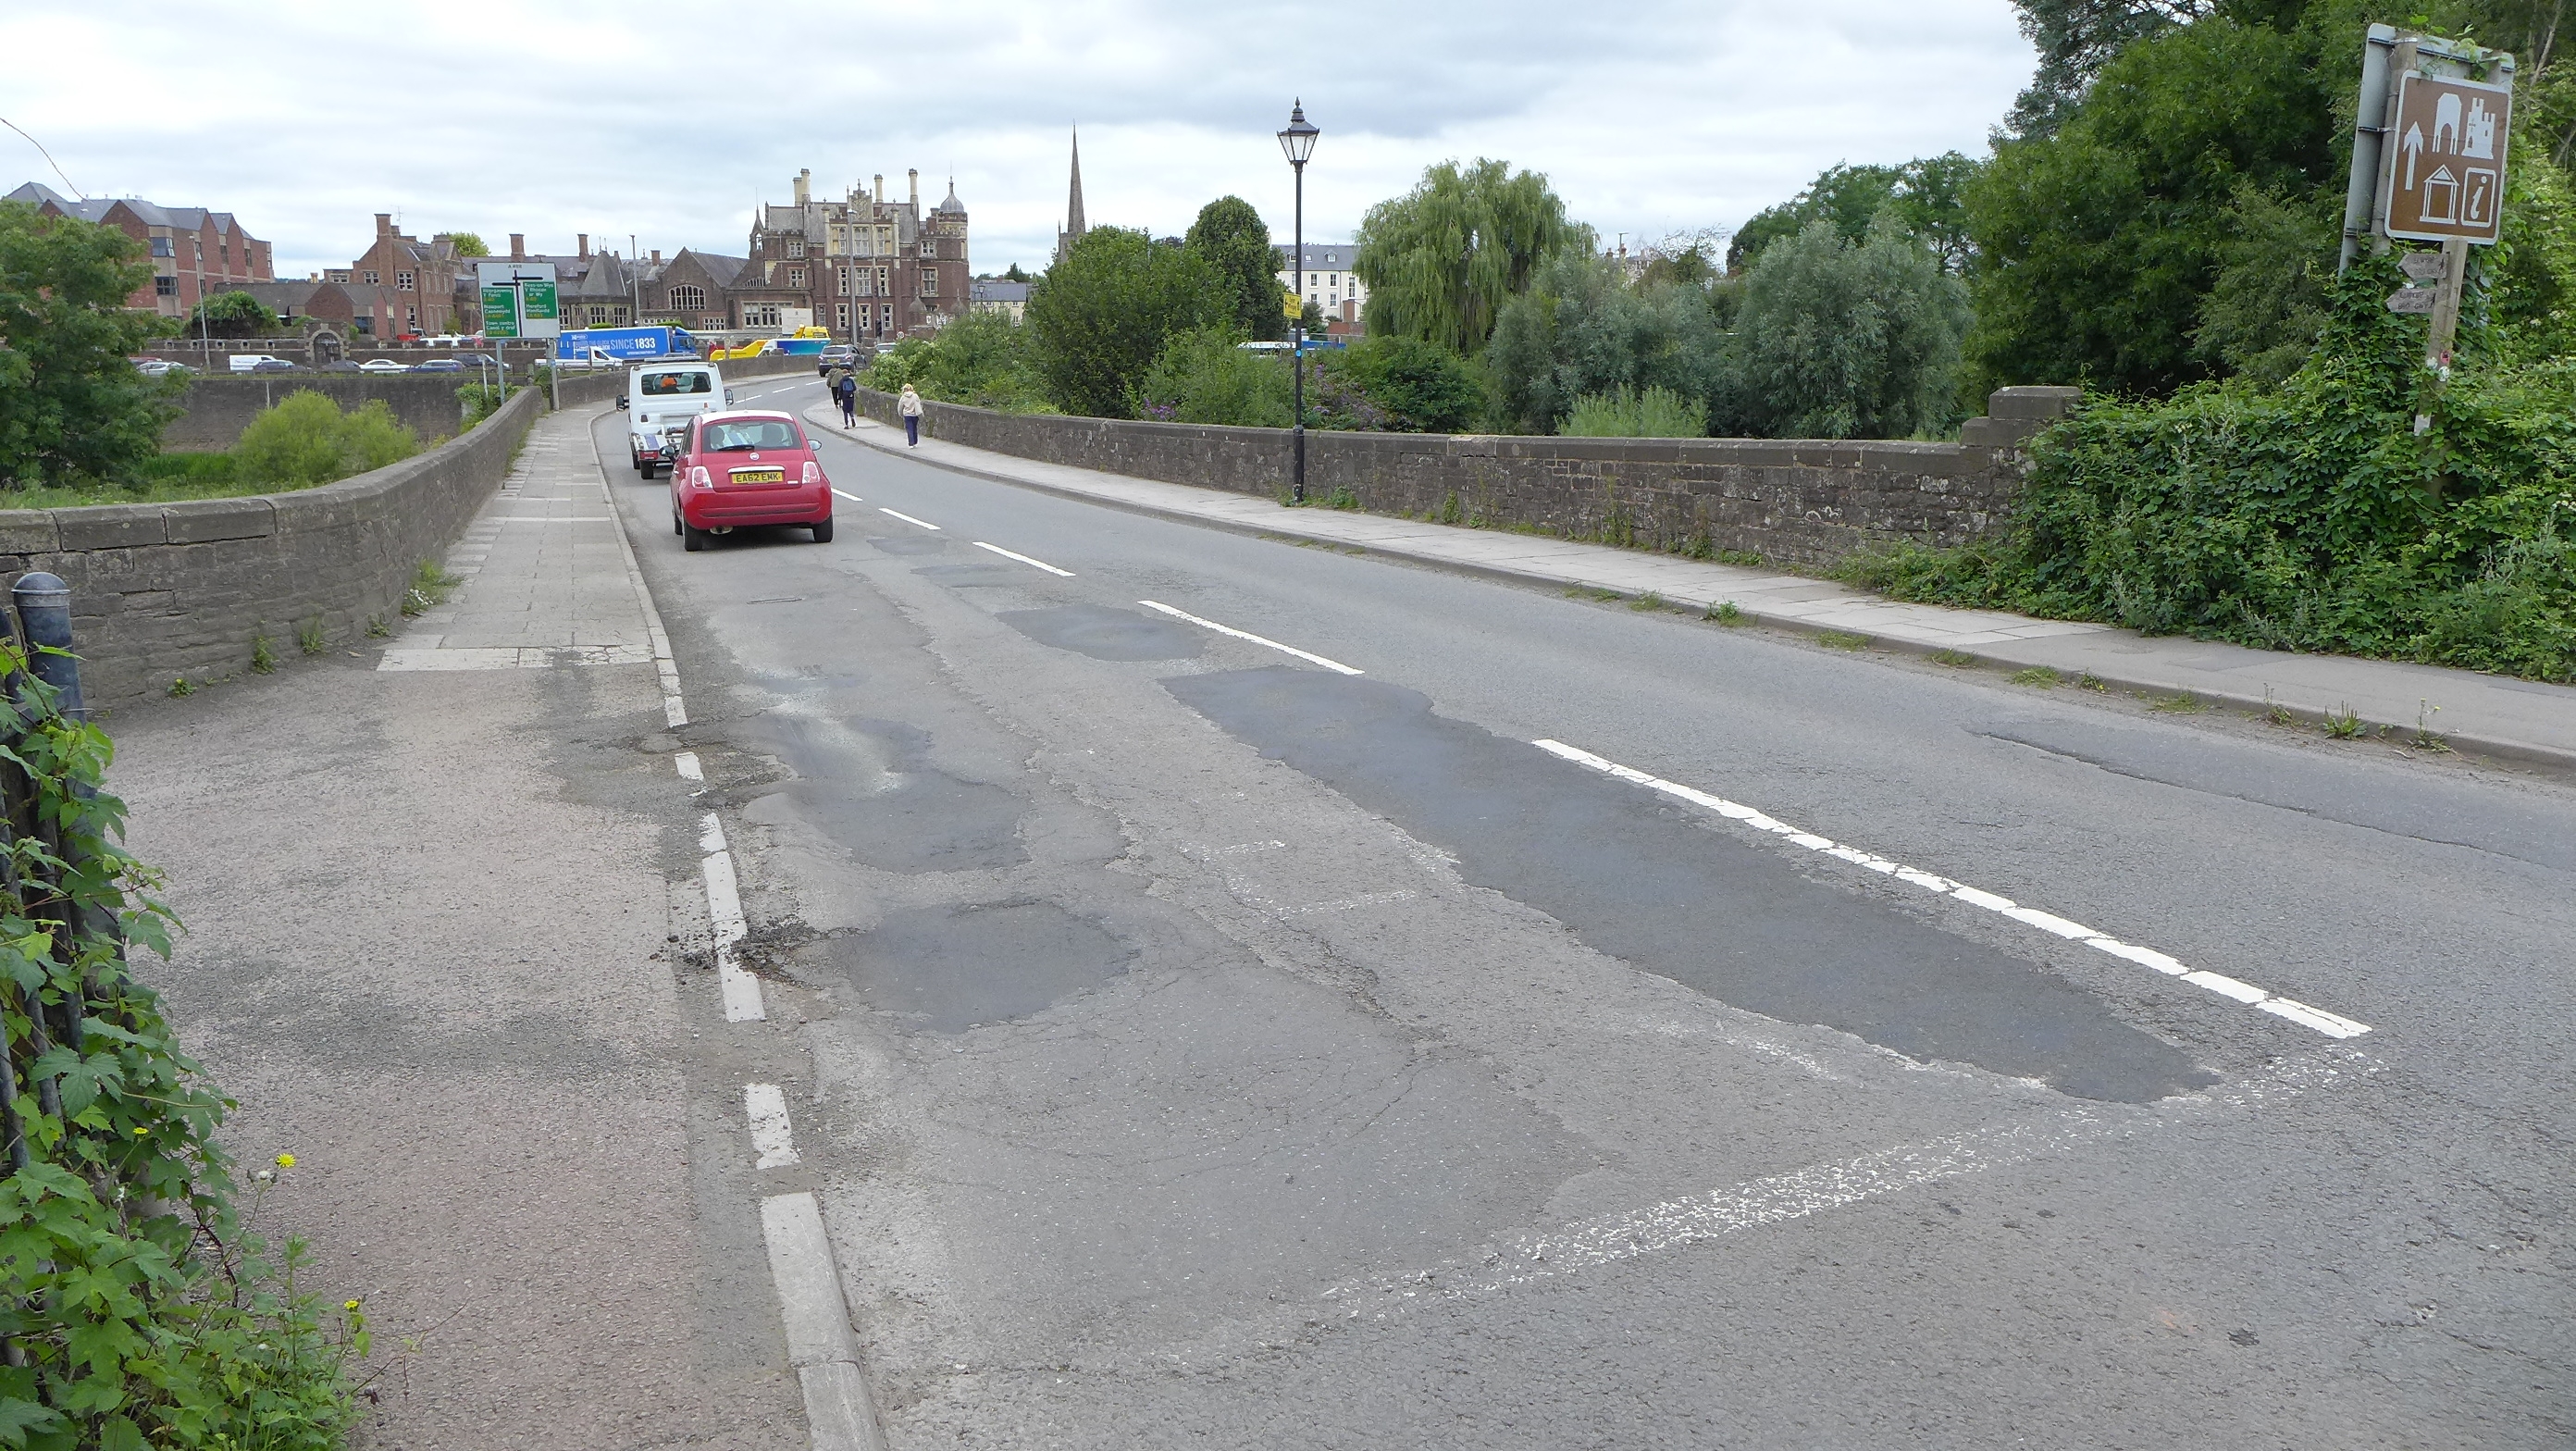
(1320, 256)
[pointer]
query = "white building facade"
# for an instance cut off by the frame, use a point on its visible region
(1330, 283)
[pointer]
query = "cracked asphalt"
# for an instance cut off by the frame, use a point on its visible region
(1205, 1047)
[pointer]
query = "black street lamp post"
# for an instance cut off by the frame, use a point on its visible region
(1298, 140)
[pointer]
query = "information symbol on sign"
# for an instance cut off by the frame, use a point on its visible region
(2446, 160)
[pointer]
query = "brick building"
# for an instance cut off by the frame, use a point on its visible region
(865, 268)
(402, 286)
(195, 253)
(693, 290)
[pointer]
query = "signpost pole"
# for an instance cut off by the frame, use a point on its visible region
(2369, 131)
(2446, 306)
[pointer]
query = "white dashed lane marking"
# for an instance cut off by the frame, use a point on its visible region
(1024, 559)
(1248, 635)
(907, 518)
(2333, 1025)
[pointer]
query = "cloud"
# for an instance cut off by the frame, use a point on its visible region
(669, 121)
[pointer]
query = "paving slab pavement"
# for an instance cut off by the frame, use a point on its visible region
(429, 896)
(2493, 715)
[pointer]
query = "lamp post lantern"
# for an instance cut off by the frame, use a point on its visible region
(1298, 140)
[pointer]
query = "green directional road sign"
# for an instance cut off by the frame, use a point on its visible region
(537, 303)
(500, 312)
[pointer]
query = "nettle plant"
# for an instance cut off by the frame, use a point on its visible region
(140, 1308)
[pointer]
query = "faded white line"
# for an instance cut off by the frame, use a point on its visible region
(1364, 899)
(846, 494)
(686, 763)
(1799, 1194)
(711, 836)
(553, 518)
(2333, 1025)
(1248, 635)
(907, 518)
(764, 1105)
(1024, 559)
(739, 989)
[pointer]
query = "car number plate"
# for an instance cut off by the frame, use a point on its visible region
(759, 476)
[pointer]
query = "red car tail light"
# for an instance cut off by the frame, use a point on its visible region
(813, 472)
(698, 478)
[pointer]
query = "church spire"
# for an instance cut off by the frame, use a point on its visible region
(1073, 223)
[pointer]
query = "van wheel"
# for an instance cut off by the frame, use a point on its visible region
(823, 531)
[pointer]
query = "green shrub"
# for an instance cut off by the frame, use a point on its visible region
(1626, 413)
(306, 440)
(141, 1308)
(1202, 377)
(2312, 517)
(982, 359)
(1838, 339)
(1415, 386)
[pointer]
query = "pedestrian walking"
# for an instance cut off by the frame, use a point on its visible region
(910, 407)
(849, 402)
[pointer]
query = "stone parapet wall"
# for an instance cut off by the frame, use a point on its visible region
(161, 591)
(1805, 503)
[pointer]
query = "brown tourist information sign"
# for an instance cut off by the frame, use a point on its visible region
(2445, 158)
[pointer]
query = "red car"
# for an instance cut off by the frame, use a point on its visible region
(742, 468)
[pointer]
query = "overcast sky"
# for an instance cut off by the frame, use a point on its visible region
(671, 121)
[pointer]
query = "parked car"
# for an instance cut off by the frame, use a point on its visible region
(272, 365)
(742, 468)
(477, 360)
(837, 355)
(158, 367)
(660, 399)
(383, 365)
(341, 365)
(255, 363)
(440, 365)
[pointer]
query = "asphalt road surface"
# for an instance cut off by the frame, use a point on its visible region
(1220, 1040)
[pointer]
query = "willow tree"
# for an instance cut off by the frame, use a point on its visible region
(1441, 260)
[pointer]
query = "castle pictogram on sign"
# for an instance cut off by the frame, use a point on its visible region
(2446, 170)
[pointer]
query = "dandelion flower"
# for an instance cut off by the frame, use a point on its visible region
(140, 1131)
(286, 1161)
(351, 1305)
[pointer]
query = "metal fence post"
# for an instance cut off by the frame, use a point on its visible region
(45, 612)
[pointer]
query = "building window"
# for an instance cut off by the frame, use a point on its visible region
(165, 285)
(340, 274)
(760, 314)
(402, 282)
(929, 248)
(688, 299)
(929, 282)
(841, 315)
(161, 247)
(885, 282)
(371, 278)
(411, 316)
(795, 276)
(225, 251)
(796, 246)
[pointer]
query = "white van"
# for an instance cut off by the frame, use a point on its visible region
(661, 397)
(251, 363)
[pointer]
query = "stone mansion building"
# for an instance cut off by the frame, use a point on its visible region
(865, 267)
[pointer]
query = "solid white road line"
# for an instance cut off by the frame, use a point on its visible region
(853, 498)
(675, 711)
(2331, 1024)
(817, 1320)
(765, 1106)
(907, 518)
(1024, 559)
(710, 833)
(1248, 635)
(686, 763)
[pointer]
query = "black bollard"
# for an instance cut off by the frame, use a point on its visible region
(45, 614)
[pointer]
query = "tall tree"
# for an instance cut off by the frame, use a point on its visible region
(1580, 329)
(1234, 241)
(1924, 193)
(1441, 260)
(1845, 340)
(70, 404)
(2098, 243)
(2076, 39)
(469, 244)
(1101, 316)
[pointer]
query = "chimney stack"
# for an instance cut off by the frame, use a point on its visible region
(584, 244)
(915, 174)
(879, 194)
(657, 256)
(518, 246)
(805, 187)
(384, 223)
